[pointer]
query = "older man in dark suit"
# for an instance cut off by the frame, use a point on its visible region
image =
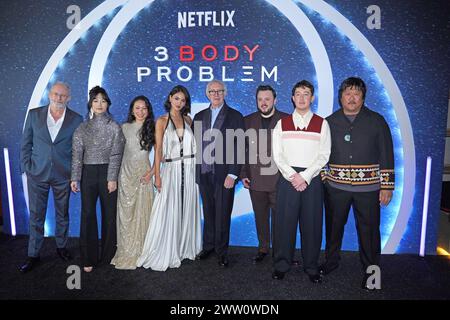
(260, 174)
(218, 169)
(46, 159)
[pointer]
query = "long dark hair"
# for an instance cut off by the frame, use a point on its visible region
(147, 131)
(187, 108)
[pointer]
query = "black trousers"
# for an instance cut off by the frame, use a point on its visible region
(304, 209)
(264, 203)
(366, 208)
(94, 184)
(217, 208)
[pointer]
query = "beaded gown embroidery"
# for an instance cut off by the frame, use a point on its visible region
(134, 202)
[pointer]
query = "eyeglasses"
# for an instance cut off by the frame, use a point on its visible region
(213, 92)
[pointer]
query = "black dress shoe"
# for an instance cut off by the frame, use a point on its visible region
(223, 261)
(295, 263)
(259, 257)
(325, 269)
(315, 278)
(29, 264)
(203, 254)
(64, 254)
(278, 275)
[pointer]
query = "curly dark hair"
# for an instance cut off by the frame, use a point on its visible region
(187, 108)
(147, 131)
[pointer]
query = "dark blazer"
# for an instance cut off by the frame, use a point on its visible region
(260, 182)
(228, 118)
(41, 158)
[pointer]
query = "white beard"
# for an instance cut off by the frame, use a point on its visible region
(58, 105)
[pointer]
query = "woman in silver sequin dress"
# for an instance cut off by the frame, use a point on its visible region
(134, 202)
(97, 149)
(174, 232)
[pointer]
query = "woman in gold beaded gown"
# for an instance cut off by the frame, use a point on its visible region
(135, 198)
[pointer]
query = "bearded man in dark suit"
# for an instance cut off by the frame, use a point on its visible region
(260, 174)
(45, 157)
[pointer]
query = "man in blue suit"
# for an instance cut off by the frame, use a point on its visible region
(216, 176)
(45, 157)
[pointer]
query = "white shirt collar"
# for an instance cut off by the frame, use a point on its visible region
(50, 117)
(300, 121)
(54, 126)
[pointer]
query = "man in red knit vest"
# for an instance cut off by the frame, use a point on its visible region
(301, 148)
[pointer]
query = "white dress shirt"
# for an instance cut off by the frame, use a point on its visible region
(54, 126)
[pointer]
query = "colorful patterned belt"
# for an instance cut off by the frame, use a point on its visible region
(360, 175)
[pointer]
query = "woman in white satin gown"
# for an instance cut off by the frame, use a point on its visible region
(174, 232)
